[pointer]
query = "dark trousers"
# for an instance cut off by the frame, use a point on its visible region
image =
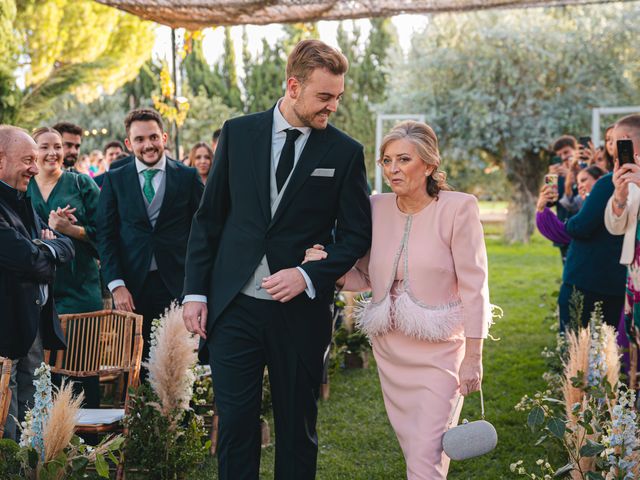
(151, 303)
(611, 306)
(250, 334)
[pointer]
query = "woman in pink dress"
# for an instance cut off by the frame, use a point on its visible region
(429, 311)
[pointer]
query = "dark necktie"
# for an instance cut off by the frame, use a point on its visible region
(285, 164)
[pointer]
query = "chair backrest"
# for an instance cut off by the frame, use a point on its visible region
(5, 392)
(107, 341)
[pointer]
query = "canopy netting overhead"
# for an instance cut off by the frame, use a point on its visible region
(198, 14)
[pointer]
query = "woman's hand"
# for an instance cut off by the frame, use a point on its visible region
(623, 175)
(470, 374)
(59, 222)
(547, 195)
(314, 254)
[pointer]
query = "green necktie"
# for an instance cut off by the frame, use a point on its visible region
(147, 189)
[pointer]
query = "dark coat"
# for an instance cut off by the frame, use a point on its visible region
(233, 228)
(126, 239)
(99, 179)
(26, 262)
(593, 259)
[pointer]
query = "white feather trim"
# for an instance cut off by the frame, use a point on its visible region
(373, 318)
(425, 323)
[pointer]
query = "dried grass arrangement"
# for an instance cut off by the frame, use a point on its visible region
(49, 448)
(172, 357)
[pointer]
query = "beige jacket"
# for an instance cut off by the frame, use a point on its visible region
(625, 224)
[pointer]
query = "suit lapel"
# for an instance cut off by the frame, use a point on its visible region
(170, 189)
(314, 150)
(262, 161)
(132, 184)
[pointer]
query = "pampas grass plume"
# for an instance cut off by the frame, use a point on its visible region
(611, 354)
(61, 423)
(170, 362)
(577, 361)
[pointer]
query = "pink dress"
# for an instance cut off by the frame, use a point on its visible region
(428, 277)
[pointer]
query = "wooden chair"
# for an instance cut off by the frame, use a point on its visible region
(5, 392)
(103, 343)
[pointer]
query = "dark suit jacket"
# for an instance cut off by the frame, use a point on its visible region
(126, 239)
(593, 259)
(99, 179)
(233, 228)
(24, 265)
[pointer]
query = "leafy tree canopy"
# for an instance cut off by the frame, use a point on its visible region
(74, 46)
(504, 84)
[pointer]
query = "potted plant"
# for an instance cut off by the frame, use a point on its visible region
(354, 347)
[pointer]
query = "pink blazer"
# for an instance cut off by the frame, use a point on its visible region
(441, 255)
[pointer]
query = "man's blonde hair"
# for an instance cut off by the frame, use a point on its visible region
(309, 55)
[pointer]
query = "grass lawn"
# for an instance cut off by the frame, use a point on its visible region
(356, 440)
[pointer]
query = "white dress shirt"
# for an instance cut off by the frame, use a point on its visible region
(161, 166)
(278, 137)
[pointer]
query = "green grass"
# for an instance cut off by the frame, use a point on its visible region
(356, 440)
(492, 206)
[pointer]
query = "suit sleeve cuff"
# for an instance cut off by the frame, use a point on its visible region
(115, 284)
(310, 290)
(39, 242)
(194, 298)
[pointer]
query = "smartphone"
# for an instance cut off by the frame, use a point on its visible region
(555, 160)
(552, 180)
(625, 151)
(584, 141)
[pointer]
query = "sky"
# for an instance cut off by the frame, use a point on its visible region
(405, 25)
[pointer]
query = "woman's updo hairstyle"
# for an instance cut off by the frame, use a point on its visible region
(42, 130)
(426, 143)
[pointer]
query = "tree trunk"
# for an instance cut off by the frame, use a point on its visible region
(524, 174)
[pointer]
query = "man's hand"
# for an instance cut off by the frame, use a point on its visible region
(194, 315)
(123, 299)
(285, 284)
(47, 234)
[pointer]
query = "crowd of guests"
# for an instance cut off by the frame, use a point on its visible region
(64, 191)
(591, 193)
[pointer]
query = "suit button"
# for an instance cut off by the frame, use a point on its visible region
(38, 302)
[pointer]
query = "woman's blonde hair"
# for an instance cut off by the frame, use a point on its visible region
(426, 143)
(42, 130)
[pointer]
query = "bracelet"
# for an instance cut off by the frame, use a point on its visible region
(621, 206)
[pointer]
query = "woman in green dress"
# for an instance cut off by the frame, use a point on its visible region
(68, 201)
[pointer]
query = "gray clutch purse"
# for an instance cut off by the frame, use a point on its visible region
(469, 439)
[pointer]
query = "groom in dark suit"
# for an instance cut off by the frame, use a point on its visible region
(282, 180)
(144, 214)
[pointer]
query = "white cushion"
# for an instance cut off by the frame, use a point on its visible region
(99, 416)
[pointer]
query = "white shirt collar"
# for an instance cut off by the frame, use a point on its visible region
(280, 124)
(161, 165)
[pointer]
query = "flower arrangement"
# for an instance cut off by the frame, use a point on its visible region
(166, 437)
(587, 413)
(48, 447)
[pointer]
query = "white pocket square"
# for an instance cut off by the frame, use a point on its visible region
(323, 172)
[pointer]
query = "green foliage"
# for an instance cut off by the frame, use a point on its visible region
(200, 75)
(67, 46)
(137, 92)
(206, 114)
(365, 83)
(502, 85)
(355, 341)
(229, 75)
(9, 93)
(156, 447)
(9, 463)
(264, 80)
